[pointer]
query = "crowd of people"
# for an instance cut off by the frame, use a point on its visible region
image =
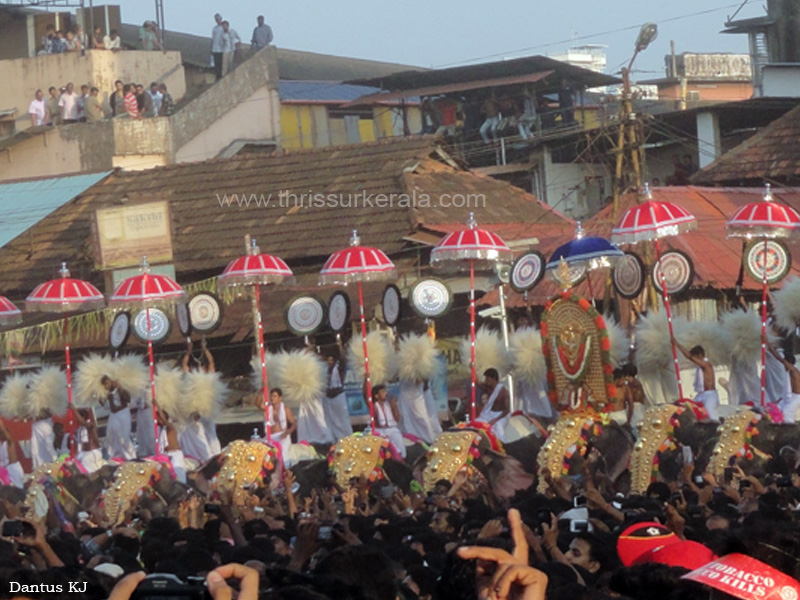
(225, 42)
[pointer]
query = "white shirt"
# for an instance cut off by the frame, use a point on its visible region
(158, 97)
(110, 44)
(69, 106)
(229, 41)
(37, 111)
(216, 39)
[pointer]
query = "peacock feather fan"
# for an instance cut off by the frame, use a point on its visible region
(132, 375)
(489, 353)
(619, 340)
(303, 378)
(416, 357)
(88, 391)
(527, 359)
(787, 304)
(48, 391)
(744, 330)
(14, 402)
(203, 394)
(382, 361)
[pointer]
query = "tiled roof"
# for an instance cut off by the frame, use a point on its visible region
(773, 154)
(207, 235)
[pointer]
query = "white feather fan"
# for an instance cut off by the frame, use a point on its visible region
(490, 352)
(132, 375)
(653, 346)
(88, 391)
(619, 340)
(712, 336)
(416, 357)
(48, 390)
(787, 304)
(169, 392)
(14, 402)
(527, 359)
(274, 369)
(382, 361)
(203, 393)
(744, 330)
(303, 377)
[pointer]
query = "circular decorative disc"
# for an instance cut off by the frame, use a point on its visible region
(391, 304)
(629, 276)
(120, 330)
(678, 271)
(205, 312)
(430, 298)
(779, 261)
(159, 329)
(305, 315)
(338, 311)
(184, 319)
(527, 271)
(575, 275)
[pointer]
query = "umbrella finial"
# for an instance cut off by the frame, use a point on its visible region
(471, 222)
(563, 274)
(64, 271)
(768, 193)
(580, 232)
(647, 192)
(354, 239)
(144, 267)
(254, 249)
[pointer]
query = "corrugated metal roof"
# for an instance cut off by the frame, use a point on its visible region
(322, 91)
(25, 203)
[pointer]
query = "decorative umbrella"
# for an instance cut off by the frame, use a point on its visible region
(9, 313)
(64, 295)
(649, 222)
(254, 270)
(585, 254)
(144, 291)
(765, 219)
(472, 248)
(358, 264)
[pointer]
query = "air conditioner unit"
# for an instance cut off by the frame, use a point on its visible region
(694, 96)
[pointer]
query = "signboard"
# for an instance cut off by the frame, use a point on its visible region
(123, 234)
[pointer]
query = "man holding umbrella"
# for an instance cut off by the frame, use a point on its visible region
(118, 428)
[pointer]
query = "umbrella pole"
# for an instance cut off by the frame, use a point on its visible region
(764, 325)
(152, 380)
(70, 415)
(262, 353)
(669, 321)
(472, 339)
(366, 358)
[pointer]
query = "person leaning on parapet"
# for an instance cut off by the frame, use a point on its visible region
(112, 41)
(93, 108)
(148, 36)
(230, 42)
(262, 35)
(167, 108)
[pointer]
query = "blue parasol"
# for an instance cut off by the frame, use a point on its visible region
(571, 261)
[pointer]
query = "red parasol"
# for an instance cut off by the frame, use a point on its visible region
(254, 270)
(9, 313)
(649, 222)
(64, 295)
(471, 249)
(358, 264)
(146, 290)
(766, 219)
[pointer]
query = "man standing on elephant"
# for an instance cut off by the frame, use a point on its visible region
(497, 408)
(791, 401)
(703, 379)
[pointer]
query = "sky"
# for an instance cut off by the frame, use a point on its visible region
(439, 33)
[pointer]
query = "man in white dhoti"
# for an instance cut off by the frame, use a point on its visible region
(337, 416)
(311, 424)
(89, 453)
(415, 416)
(145, 427)
(8, 457)
(777, 384)
(790, 403)
(533, 398)
(704, 383)
(433, 410)
(42, 437)
(118, 427)
(387, 416)
(168, 444)
(193, 440)
(497, 409)
(744, 384)
(282, 424)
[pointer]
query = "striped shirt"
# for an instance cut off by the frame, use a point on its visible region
(131, 105)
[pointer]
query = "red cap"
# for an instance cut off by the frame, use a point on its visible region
(747, 578)
(643, 537)
(688, 554)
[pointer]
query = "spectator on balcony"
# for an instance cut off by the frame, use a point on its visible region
(148, 36)
(157, 98)
(94, 107)
(48, 41)
(117, 99)
(72, 44)
(98, 39)
(145, 102)
(82, 38)
(53, 111)
(112, 41)
(216, 45)
(68, 103)
(59, 43)
(131, 105)
(82, 103)
(492, 112)
(566, 102)
(37, 110)
(262, 35)
(230, 42)
(167, 103)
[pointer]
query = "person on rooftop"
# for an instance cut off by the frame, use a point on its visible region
(262, 35)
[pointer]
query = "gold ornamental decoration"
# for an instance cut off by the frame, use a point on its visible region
(451, 452)
(130, 481)
(734, 434)
(655, 434)
(244, 464)
(358, 455)
(565, 438)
